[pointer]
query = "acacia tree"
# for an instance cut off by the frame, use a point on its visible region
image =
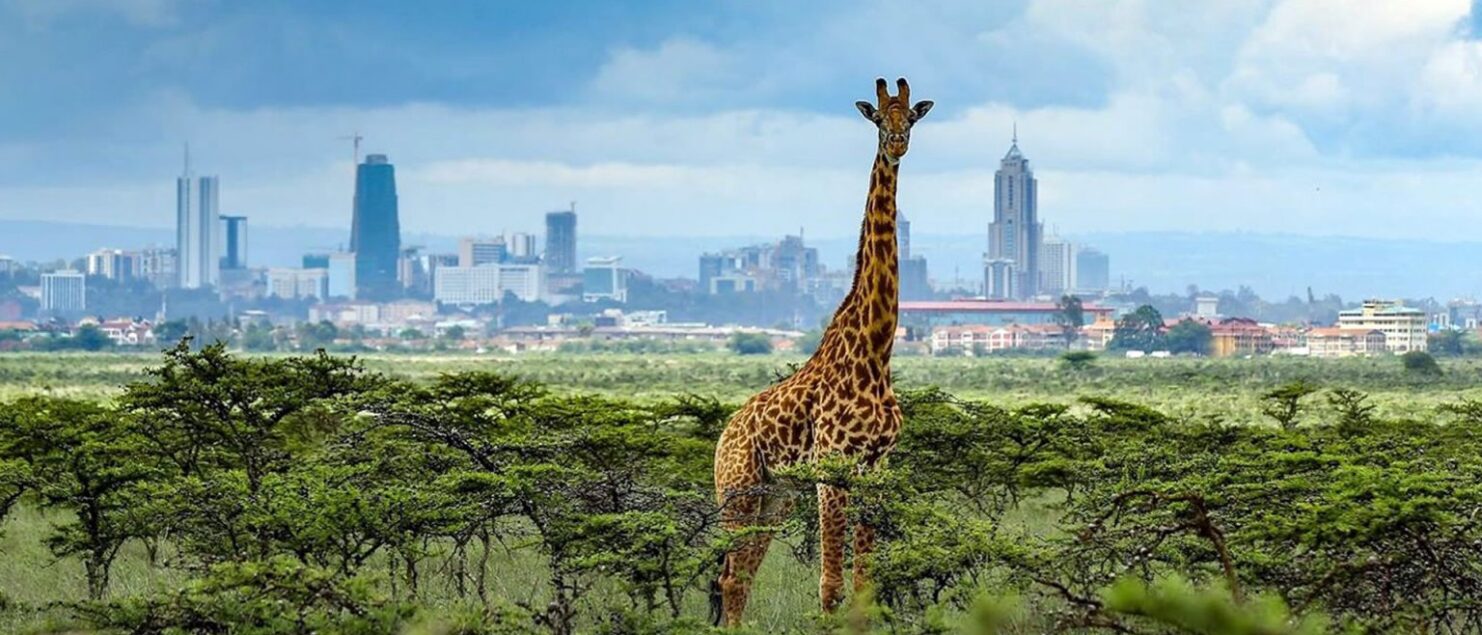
(80, 459)
(1071, 316)
(1140, 330)
(1284, 403)
(210, 410)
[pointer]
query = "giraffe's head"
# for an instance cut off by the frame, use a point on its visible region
(894, 116)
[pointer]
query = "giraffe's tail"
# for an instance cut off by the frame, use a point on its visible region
(717, 595)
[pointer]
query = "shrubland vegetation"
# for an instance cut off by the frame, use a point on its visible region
(218, 493)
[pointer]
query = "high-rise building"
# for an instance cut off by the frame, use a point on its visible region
(1092, 271)
(521, 247)
(473, 252)
(160, 266)
(411, 272)
(604, 279)
(234, 235)
(113, 264)
(1057, 266)
(344, 275)
(1014, 236)
(64, 292)
(903, 235)
(711, 266)
(560, 241)
(196, 227)
(375, 231)
(915, 284)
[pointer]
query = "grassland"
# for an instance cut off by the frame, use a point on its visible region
(1226, 389)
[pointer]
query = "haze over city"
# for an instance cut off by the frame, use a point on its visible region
(678, 119)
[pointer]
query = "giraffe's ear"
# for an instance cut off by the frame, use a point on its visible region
(920, 109)
(867, 109)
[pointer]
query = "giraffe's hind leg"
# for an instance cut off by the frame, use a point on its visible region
(740, 491)
(832, 530)
(741, 563)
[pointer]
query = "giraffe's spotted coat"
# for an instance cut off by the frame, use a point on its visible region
(839, 403)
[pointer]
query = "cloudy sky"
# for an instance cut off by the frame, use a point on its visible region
(673, 117)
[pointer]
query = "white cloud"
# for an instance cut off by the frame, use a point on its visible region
(680, 71)
(1290, 115)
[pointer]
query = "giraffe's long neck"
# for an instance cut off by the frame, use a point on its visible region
(864, 326)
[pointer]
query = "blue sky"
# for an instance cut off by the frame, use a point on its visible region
(1348, 117)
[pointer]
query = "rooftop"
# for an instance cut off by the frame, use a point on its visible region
(992, 306)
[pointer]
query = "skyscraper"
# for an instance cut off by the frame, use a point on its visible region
(234, 235)
(1057, 266)
(560, 241)
(915, 284)
(1014, 236)
(1092, 270)
(375, 231)
(195, 229)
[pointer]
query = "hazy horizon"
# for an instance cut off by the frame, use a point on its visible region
(1305, 117)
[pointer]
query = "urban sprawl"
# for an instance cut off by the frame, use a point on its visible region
(522, 292)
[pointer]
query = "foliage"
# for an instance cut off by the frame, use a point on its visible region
(750, 344)
(1284, 403)
(1453, 342)
(1189, 336)
(1140, 330)
(310, 494)
(1078, 360)
(1070, 315)
(1420, 363)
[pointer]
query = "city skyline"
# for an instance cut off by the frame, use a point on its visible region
(1190, 120)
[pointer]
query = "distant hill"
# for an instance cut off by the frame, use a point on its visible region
(1275, 265)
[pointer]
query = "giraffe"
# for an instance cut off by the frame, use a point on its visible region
(839, 403)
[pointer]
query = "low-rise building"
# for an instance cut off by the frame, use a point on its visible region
(346, 313)
(128, 331)
(488, 283)
(1098, 335)
(973, 339)
(294, 284)
(1330, 342)
(990, 312)
(1404, 328)
(1234, 337)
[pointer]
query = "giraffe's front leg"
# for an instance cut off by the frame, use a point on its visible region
(832, 525)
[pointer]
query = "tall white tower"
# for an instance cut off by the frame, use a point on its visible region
(196, 229)
(1015, 235)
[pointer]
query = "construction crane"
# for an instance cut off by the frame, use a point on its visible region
(354, 138)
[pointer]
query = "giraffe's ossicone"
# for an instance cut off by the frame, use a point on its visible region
(839, 403)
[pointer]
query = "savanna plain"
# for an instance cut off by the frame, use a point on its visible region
(211, 491)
